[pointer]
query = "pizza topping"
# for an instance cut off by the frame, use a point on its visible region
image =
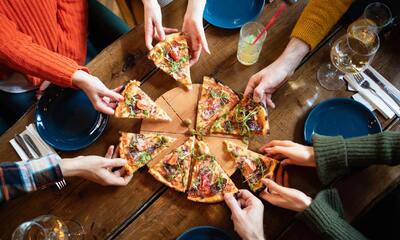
(248, 166)
(143, 158)
(143, 105)
(173, 160)
(219, 185)
(207, 114)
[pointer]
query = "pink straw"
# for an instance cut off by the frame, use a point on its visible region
(273, 19)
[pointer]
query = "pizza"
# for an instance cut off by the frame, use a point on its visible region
(172, 56)
(252, 165)
(137, 104)
(247, 118)
(139, 149)
(209, 182)
(173, 169)
(215, 100)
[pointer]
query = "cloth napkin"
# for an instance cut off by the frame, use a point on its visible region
(43, 147)
(368, 96)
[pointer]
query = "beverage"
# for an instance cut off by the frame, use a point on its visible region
(248, 52)
(353, 52)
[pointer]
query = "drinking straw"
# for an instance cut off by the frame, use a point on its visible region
(273, 19)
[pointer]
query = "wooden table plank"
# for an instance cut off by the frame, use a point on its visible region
(99, 209)
(294, 100)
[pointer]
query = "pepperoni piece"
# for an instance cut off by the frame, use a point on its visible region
(248, 166)
(173, 159)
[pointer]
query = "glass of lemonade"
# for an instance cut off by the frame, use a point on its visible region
(247, 52)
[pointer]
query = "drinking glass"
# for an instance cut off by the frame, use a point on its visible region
(48, 227)
(351, 53)
(248, 53)
(376, 16)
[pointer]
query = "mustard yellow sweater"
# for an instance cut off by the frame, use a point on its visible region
(318, 18)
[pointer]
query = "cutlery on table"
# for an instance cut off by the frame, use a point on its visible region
(387, 90)
(31, 144)
(365, 84)
(20, 141)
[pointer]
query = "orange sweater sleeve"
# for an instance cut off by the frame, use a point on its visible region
(318, 17)
(19, 52)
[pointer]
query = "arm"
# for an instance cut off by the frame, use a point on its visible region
(317, 19)
(336, 156)
(19, 52)
(23, 177)
(325, 216)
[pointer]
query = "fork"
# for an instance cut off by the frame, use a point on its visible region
(365, 84)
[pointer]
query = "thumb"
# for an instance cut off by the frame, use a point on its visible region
(274, 187)
(115, 162)
(232, 203)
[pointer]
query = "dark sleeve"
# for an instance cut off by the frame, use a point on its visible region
(336, 156)
(325, 217)
(17, 178)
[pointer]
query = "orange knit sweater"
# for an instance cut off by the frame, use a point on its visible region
(43, 39)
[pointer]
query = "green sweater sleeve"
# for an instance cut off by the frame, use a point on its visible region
(336, 156)
(325, 217)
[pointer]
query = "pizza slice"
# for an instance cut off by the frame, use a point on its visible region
(173, 170)
(216, 100)
(253, 166)
(247, 118)
(139, 149)
(209, 182)
(172, 56)
(137, 104)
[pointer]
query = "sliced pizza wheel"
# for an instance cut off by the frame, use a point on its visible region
(247, 118)
(172, 56)
(173, 170)
(139, 149)
(215, 100)
(137, 104)
(209, 182)
(252, 165)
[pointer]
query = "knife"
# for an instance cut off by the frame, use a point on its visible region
(32, 144)
(392, 95)
(23, 145)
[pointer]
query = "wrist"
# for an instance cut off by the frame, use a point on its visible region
(195, 9)
(79, 78)
(69, 167)
(148, 3)
(294, 52)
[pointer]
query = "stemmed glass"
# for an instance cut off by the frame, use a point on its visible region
(48, 227)
(351, 53)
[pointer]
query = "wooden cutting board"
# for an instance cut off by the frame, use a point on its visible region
(180, 105)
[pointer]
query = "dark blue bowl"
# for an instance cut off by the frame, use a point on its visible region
(66, 119)
(232, 14)
(204, 233)
(340, 116)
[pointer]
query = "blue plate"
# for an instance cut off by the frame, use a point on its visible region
(232, 14)
(340, 116)
(204, 233)
(66, 119)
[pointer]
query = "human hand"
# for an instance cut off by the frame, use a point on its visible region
(43, 86)
(193, 28)
(247, 214)
(103, 99)
(97, 169)
(284, 197)
(291, 153)
(264, 83)
(153, 23)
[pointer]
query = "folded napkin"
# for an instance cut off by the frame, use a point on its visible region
(370, 97)
(42, 146)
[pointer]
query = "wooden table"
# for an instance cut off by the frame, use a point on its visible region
(146, 209)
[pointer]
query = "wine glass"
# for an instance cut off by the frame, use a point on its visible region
(351, 53)
(48, 227)
(376, 15)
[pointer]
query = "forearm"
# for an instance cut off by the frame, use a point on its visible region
(336, 156)
(17, 178)
(325, 216)
(195, 9)
(291, 57)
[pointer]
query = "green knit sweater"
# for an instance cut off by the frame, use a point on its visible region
(336, 157)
